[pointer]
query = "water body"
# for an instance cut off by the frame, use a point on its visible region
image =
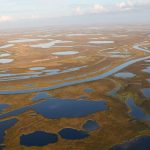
(40, 96)
(137, 46)
(3, 107)
(146, 93)
(49, 44)
(24, 40)
(3, 127)
(101, 42)
(38, 138)
(91, 125)
(5, 55)
(147, 69)
(65, 53)
(37, 68)
(98, 77)
(88, 90)
(138, 143)
(62, 108)
(73, 69)
(6, 46)
(137, 112)
(73, 134)
(125, 75)
(6, 61)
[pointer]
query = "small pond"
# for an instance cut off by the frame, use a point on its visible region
(38, 138)
(65, 53)
(73, 134)
(91, 125)
(6, 61)
(125, 75)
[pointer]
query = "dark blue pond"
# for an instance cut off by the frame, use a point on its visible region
(3, 127)
(3, 106)
(38, 138)
(40, 96)
(140, 143)
(73, 134)
(136, 111)
(90, 125)
(61, 108)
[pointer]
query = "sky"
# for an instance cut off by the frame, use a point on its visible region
(16, 11)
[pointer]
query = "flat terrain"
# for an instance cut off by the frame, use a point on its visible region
(91, 64)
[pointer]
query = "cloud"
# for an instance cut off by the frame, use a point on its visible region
(79, 10)
(132, 4)
(5, 18)
(98, 8)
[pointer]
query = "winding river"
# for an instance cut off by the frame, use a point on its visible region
(98, 77)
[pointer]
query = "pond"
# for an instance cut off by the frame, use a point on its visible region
(50, 44)
(6, 46)
(101, 42)
(125, 75)
(38, 138)
(36, 68)
(147, 69)
(88, 90)
(5, 55)
(55, 108)
(24, 40)
(64, 53)
(73, 134)
(40, 96)
(5, 61)
(90, 125)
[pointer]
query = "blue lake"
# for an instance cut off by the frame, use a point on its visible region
(73, 134)
(38, 138)
(62, 108)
